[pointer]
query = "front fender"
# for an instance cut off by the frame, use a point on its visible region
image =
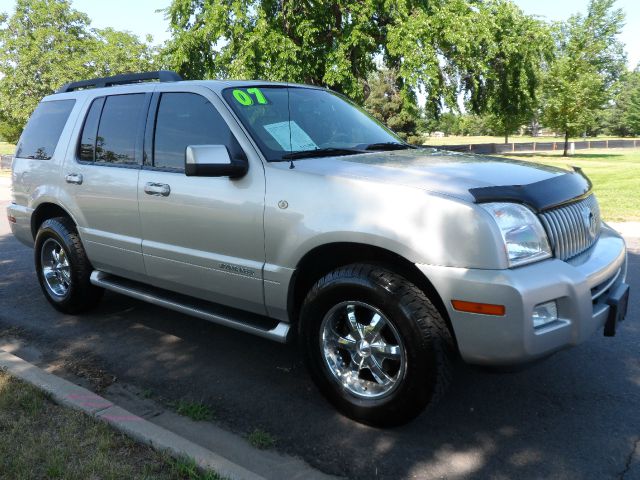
(422, 227)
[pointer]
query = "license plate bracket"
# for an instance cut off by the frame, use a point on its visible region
(618, 302)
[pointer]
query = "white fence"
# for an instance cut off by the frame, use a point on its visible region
(488, 148)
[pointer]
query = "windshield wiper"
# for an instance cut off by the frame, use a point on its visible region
(389, 146)
(321, 152)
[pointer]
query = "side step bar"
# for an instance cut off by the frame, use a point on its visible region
(229, 317)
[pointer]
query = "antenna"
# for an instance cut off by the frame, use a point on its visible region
(291, 165)
(284, 25)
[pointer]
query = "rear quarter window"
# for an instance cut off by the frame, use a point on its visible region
(42, 133)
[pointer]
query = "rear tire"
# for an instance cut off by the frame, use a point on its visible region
(63, 267)
(375, 345)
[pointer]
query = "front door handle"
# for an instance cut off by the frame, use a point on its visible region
(75, 178)
(158, 189)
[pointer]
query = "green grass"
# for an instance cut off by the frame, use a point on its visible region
(39, 439)
(462, 140)
(147, 393)
(7, 148)
(615, 174)
(187, 468)
(197, 411)
(261, 439)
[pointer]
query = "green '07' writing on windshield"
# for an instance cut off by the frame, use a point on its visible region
(244, 98)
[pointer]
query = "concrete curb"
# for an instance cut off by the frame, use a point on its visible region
(76, 397)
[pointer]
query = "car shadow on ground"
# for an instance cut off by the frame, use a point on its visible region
(571, 416)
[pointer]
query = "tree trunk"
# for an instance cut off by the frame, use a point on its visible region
(566, 144)
(506, 137)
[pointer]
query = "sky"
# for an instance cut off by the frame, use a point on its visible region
(140, 17)
(563, 9)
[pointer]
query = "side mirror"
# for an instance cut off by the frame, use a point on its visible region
(213, 161)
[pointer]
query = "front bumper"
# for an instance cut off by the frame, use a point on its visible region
(580, 286)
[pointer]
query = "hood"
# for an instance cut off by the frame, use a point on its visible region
(447, 173)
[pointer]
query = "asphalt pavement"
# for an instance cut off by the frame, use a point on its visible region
(575, 415)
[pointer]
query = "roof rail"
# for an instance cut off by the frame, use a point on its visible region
(161, 75)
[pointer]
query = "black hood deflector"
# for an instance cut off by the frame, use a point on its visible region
(541, 195)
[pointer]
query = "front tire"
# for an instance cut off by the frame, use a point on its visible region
(63, 267)
(375, 345)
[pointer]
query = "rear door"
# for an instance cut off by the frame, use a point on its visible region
(101, 181)
(202, 236)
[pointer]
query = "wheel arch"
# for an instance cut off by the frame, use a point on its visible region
(324, 258)
(45, 211)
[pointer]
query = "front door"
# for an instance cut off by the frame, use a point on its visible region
(202, 236)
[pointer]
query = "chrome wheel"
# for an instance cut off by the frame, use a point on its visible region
(362, 349)
(55, 268)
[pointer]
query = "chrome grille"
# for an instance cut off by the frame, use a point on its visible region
(572, 228)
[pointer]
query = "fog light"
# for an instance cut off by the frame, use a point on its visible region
(544, 314)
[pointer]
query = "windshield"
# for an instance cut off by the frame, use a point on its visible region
(286, 120)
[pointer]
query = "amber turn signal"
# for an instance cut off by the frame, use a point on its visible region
(482, 308)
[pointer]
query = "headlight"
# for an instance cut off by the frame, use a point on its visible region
(524, 238)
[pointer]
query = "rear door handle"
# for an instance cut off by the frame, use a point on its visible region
(75, 178)
(158, 189)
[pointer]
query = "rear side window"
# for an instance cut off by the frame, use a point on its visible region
(90, 131)
(185, 119)
(42, 133)
(118, 129)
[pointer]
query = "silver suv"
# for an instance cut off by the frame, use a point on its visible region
(278, 208)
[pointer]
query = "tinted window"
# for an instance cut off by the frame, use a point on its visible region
(42, 133)
(186, 119)
(118, 129)
(89, 131)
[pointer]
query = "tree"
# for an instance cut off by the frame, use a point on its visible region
(622, 118)
(45, 44)
(40, 49)
(449, 123)
(111, 52)
(518, 47)
(436, 47)
(632, 114)
(476, 125)
(589, 61)
(331, 43)
(389, 104)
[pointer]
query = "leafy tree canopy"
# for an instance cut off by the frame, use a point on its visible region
(589, 61)
(622, 116)
(632, 110)
(45, 44)
(436, 47)
(518, 48)
(388, 103)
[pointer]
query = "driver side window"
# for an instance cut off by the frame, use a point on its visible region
(185, 119)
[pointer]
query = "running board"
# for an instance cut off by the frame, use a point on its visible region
(229, 317)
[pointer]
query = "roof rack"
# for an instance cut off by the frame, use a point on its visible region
(160, 75)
